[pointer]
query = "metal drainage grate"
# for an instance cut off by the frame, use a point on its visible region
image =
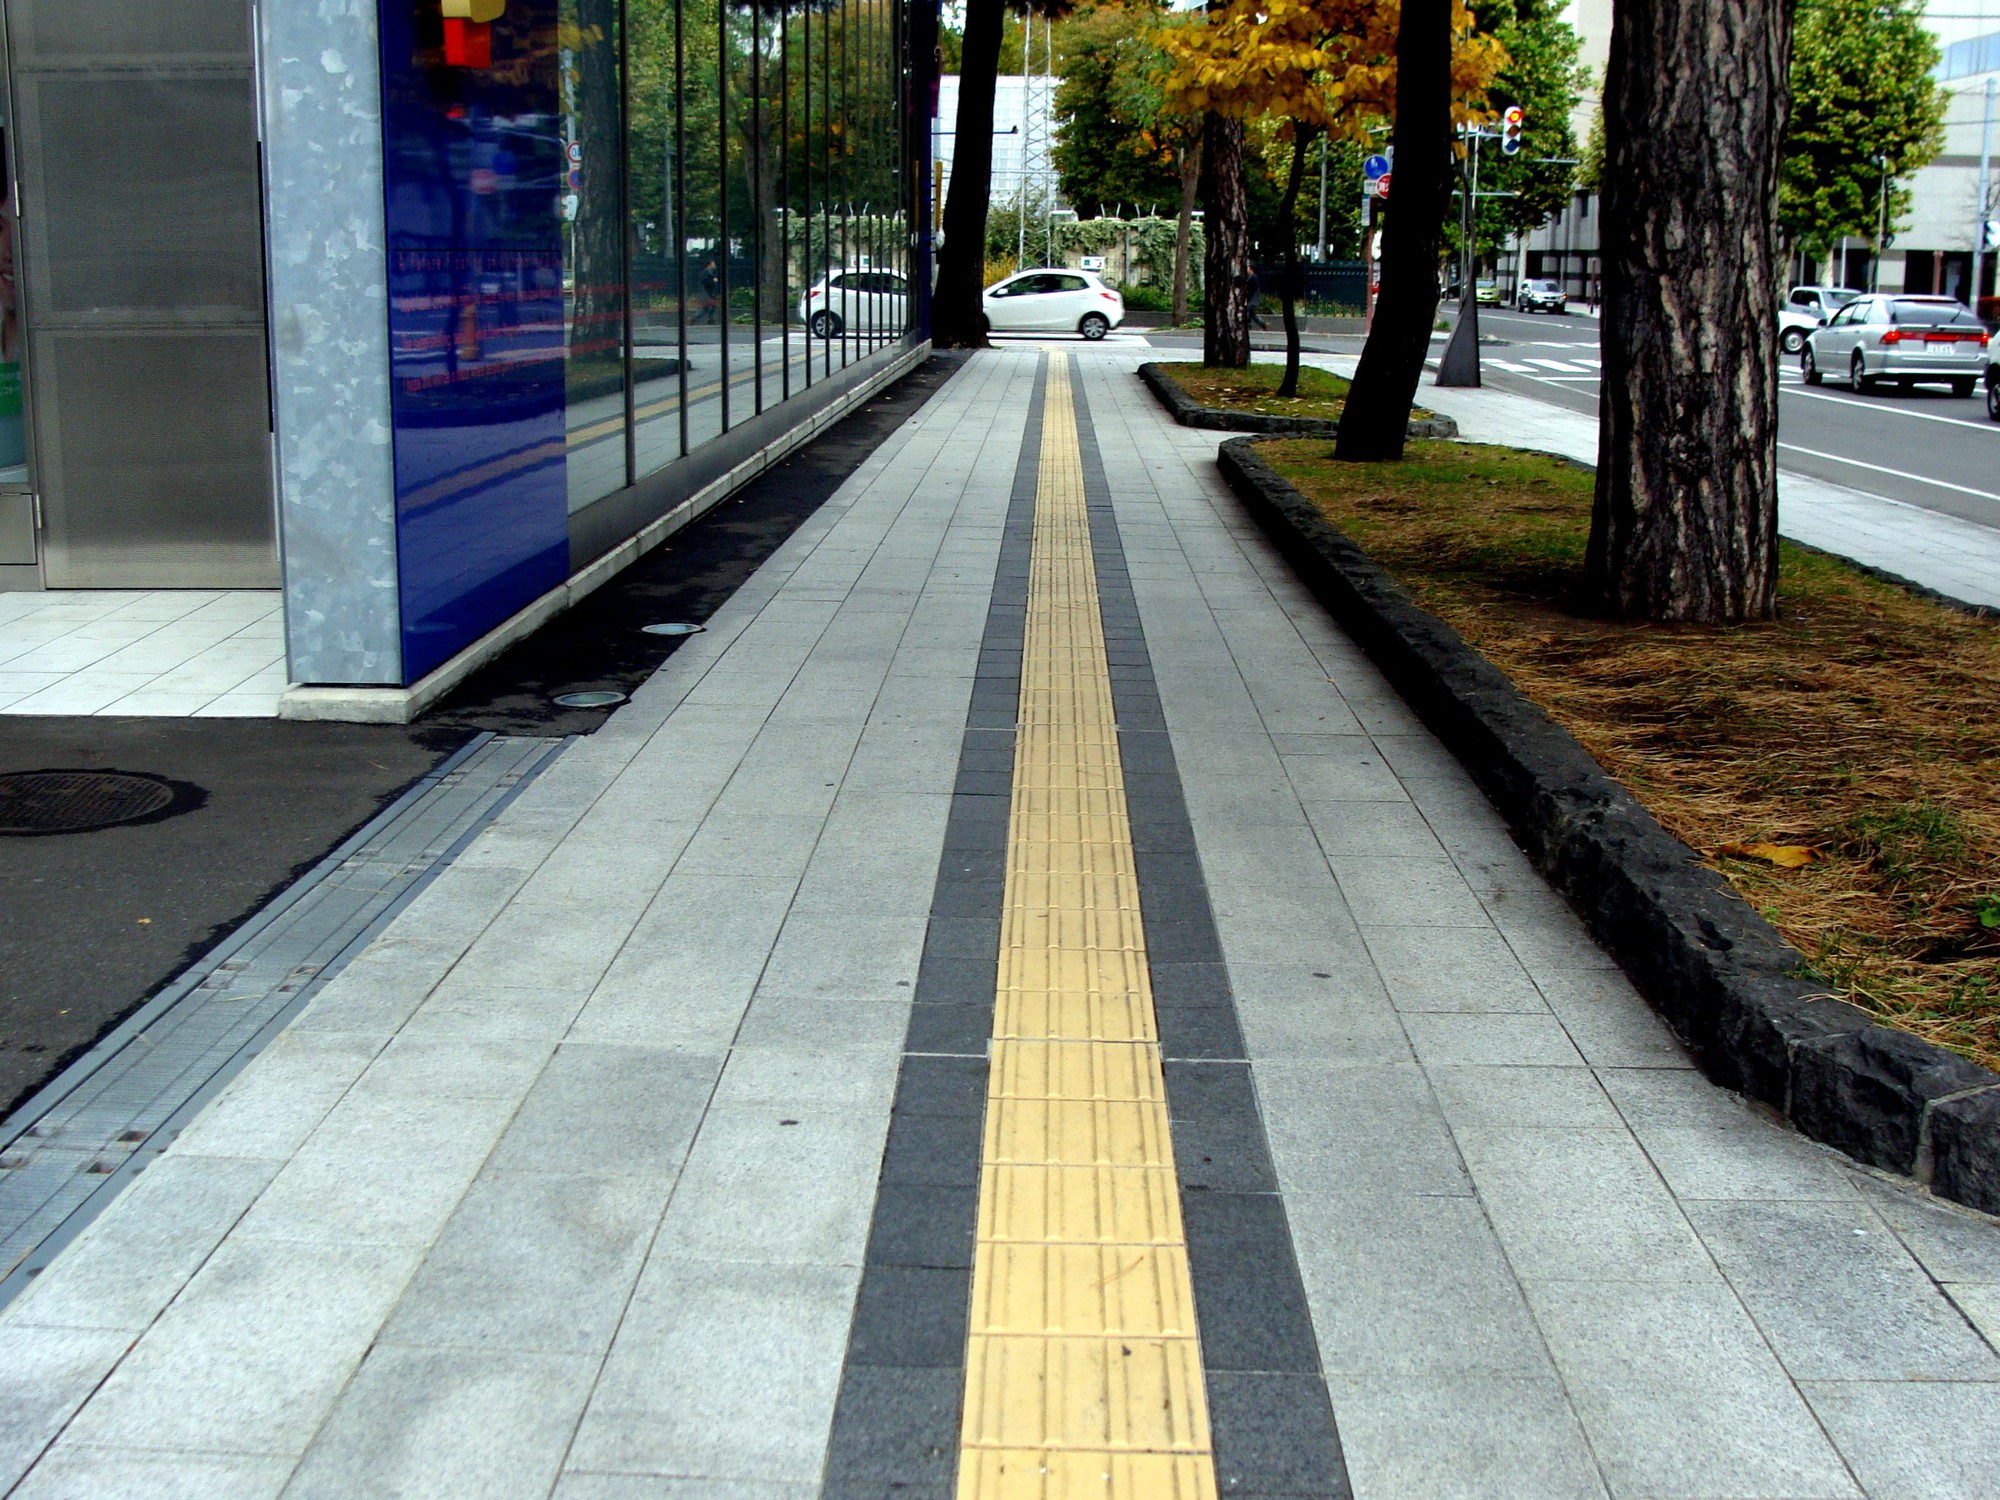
(78, 801)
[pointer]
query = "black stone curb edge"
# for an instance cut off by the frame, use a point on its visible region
(1271, 1416)
(1188, 413)
(1742, 999)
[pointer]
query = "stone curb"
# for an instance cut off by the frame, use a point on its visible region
(1742, 998)
(1185, 411)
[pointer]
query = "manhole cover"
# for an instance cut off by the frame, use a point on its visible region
(589, 700)
(677, 628)
(78, 801)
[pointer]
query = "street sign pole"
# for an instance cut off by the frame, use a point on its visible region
(1979, 245)
(1459, 365)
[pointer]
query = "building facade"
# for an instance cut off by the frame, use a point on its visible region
(433, 313)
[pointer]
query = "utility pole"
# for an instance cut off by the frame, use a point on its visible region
(1881, 228)
(1319, 246)
(1985, 200)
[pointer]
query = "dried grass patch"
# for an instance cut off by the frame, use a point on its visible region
(1863, 724)
(1254, 389)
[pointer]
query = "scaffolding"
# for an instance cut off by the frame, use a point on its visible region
(1038, 190)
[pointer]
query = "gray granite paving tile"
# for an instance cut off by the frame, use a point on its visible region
(254, 1352)
(816, 1074)
(497, 1012)
(1710, 1143)
(1373, 828)
(828, 1023)
(457, 1067)
(377, 992)
(127, 1266)
(1980, 1303)
(1451, 969)
(1581, 1205)
(447, 1424)
(1915, 1440)
(608, 1110)
(1391, 892)
(687, 972)
(767, 846)
(1952, 1243)
(45, 1375)
(1356, 772)
(1462, 1438)
(1366, 1131)
(382, 1169)
(77, 1471)
(860, 955)
(1332, 1031)
(777, 1183)
(1837, 1296)
(710, 1352)
(1489, 1097)
(532, 1261)
(1408, 1283)
(578, 1486)
(1490, 1040)
(1608, 1020)
(268, 1111)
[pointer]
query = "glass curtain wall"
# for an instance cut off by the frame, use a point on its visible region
(763, 207)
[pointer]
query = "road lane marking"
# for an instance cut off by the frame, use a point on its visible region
(1892, 473)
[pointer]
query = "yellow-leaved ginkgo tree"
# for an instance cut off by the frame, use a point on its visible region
(1318, 68)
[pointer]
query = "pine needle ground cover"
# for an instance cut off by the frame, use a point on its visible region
(1839, 766)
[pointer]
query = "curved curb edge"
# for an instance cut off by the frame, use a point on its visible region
(1741, 998)
(1184, 410)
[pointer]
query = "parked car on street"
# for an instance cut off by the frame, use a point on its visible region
(1542, 296)
(1904, 341)
(864, 298)
(1806, 308)
(1053, 299)
(1486, 291)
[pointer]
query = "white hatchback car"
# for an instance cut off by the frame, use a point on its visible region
(863, 298)
(1053, 300)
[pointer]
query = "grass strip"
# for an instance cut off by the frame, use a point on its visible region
(1863, 725)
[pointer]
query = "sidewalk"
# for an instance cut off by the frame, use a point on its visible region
(1941, 552)
(858, 1066)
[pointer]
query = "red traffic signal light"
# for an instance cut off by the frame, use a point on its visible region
(1511, 124)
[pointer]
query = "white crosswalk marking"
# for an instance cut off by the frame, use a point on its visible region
(1561, 366)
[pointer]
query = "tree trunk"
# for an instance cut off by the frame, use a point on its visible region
(1301, 138)
(1190, 165)
(597, 243)
(1225, 337)
(1685, 525)
(957, 319)
(1376, 418)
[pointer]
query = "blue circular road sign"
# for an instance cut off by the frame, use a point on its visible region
(1374, 167)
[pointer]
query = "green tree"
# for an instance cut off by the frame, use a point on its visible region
(1542, 77)
(1111, 150)
(1864, 102)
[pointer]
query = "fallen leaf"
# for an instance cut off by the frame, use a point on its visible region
(1784, 856)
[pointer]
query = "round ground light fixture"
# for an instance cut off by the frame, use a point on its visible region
(677, 628)
(589, 700)
(81, 801)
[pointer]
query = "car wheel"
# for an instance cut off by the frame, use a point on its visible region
(1792, 340)
(1992, 396)
(1963, 388)
(824, 325)
(1808, 366)
(1094, 326)
(1857, 374)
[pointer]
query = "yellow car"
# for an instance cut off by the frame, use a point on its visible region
(1486, 292)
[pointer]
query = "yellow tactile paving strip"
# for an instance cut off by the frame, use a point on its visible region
(1083, 1370)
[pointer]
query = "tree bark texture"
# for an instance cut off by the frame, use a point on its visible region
(1289, 292)
(597, 245)
(1190, 165)
(1685, 525)
(1376, 418)
(1225, 335)
(957, 318)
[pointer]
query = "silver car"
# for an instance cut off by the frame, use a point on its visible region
(1902, 340)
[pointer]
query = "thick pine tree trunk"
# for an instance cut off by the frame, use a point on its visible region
(956, 316)
(1225, 336)
(1289, 386)
(1190, 165)
(1376, 418)
(1686, 520)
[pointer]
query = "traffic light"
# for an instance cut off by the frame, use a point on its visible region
(468, 31)
(1510, 129)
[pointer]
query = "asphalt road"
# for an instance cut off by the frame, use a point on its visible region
(1926, 446)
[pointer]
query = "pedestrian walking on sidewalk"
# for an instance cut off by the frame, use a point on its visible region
(711, 289)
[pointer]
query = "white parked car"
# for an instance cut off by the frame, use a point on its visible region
(1806, 308)
(864, 298)
(1903, 341)
(1053, 300)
